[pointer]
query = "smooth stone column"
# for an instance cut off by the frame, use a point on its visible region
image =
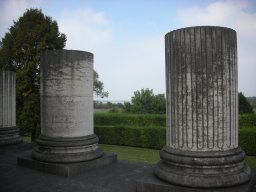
(9, 133)
(66, 94)
(202, 110)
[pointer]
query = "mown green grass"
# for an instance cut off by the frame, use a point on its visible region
(135, 154)
(144, 155)
(149, 156)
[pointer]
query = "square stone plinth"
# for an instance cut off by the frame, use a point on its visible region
(150, 183)
(65, 169)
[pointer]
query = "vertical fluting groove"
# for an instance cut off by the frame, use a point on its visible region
(204, 89)
(169, 56)
(182, 85)
(224, 90)
(184, 92)
(191, 91)
(172, 79)
(202, 85)
(167, 46)
(168, 69)
(221, 89)
(175, 88)
(207, 89)
(230, 92)
(200, 91)
(236, 88)
(227, 91)
(188, 89)
(196, 71)
(194, 92)
(180, 92)
(213, 86)
(217, 82)
(232, 96)
(192, 49)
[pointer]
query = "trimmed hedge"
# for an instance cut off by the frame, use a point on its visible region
(247, 120)
(127, 119)
(153, 138)
(148, 131)
(247, 140)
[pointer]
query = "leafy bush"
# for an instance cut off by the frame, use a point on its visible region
(247, 140)
(137, 137)
(130, 120)
(247, 120)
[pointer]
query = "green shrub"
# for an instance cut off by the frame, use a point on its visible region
(137, 137)
(131, 120)
(247, 120)
(247, 140)
(148, 131)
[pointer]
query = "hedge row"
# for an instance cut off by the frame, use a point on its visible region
(153, 138)
(247, 120)
(149, 120)
(247, 140)
(132, 120)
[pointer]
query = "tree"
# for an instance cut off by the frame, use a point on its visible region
(144, 101)
(98, 87)
(244, 105)
(20, 51)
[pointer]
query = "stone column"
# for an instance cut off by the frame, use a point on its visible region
(66, 94)
(202, 110)
(9, 133)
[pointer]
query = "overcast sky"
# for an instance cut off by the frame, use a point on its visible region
(127, 37)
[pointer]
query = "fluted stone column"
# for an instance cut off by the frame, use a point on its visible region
(9, 133)
(66, 94)
(202, 110)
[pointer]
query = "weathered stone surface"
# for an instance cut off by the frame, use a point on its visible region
(66, 93)
(202, 110)
(9, 133)
(65, 169)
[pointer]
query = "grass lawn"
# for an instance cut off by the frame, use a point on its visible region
(149, 155)
(144, 155)
(136, 154)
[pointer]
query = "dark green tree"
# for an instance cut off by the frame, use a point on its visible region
(244, 105)
(20, 51)
(98, 87)
(144, 101)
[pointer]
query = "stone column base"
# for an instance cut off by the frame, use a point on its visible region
(203, 169)
(66, 150)
(9, 136)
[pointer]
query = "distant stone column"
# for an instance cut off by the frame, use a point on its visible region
(9, 133)
(66, 93)
(202, 110)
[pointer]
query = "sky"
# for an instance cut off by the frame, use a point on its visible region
(127, 37)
